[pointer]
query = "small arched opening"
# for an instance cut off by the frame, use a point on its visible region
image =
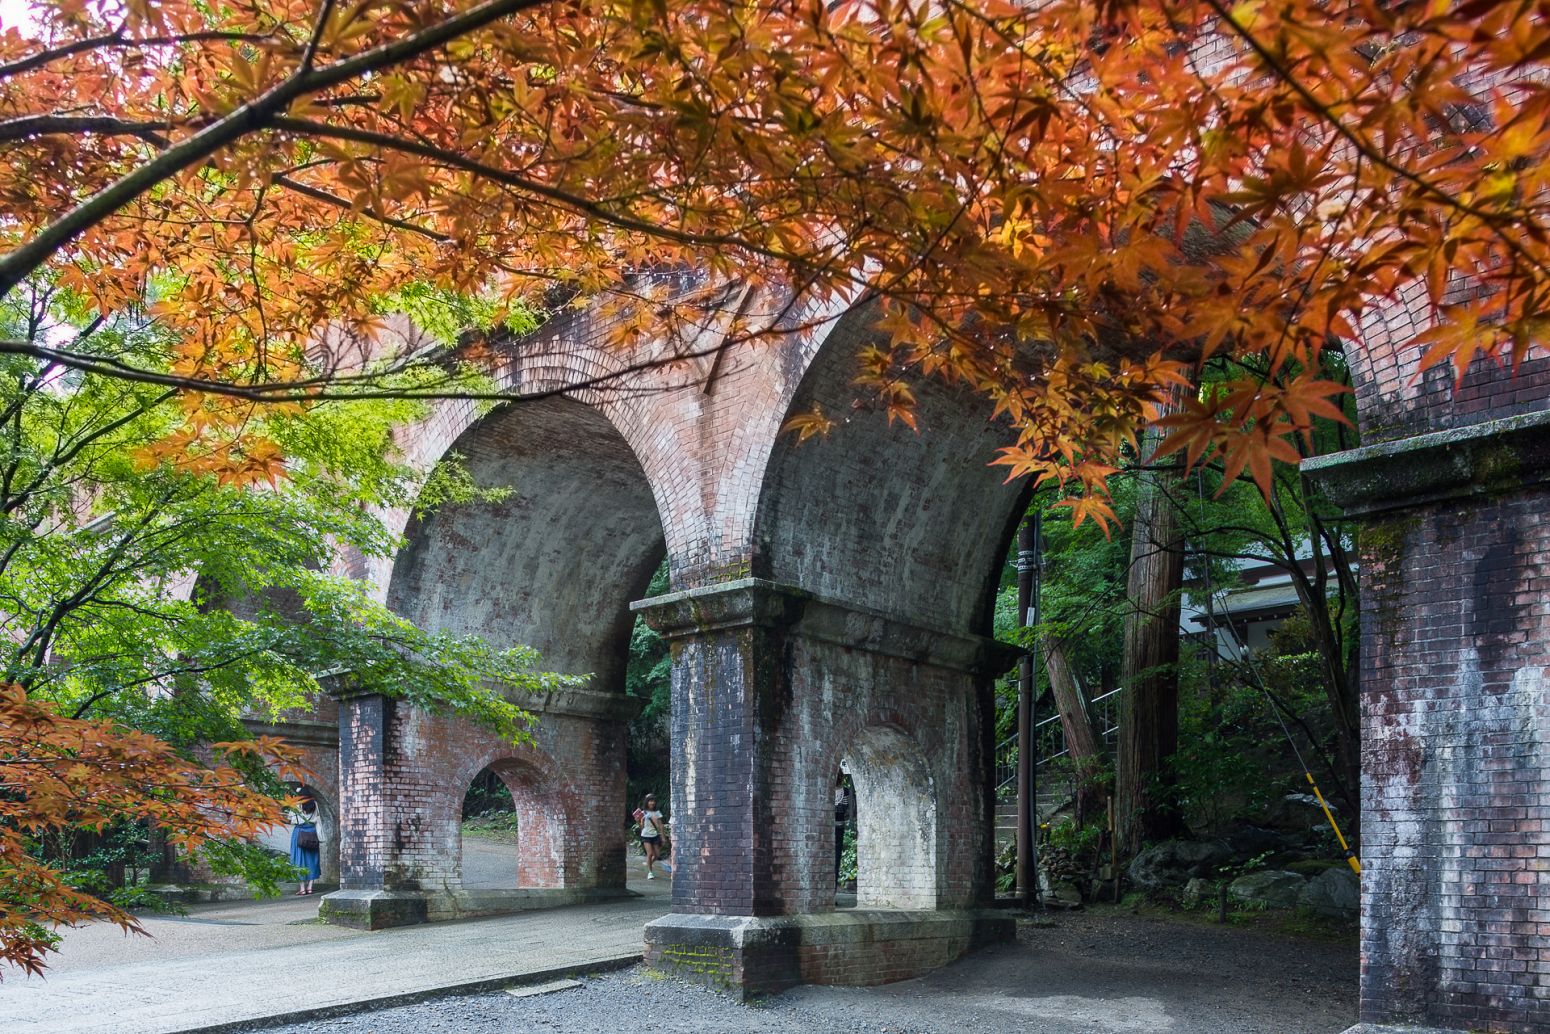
(513, 831)
(894, 814)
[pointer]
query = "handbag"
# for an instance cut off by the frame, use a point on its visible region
(307, 839)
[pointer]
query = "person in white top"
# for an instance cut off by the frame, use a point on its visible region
(653, 835)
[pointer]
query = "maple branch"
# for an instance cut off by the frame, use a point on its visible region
(254, 115)
(1496, 220)
(318, 194)
(42, 125)
(116, 40)
(316, 389)
(593, 209)
(318, 29)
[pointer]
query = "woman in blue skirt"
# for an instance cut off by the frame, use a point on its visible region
(305, 847)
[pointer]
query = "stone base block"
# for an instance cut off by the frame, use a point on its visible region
(373, 909)
(1384, 1028)
(380, 909)
(758, 955)
(466, 904)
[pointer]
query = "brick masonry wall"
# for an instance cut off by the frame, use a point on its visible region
(1456, 760)
(405, 775)
(766, 714)
(912, 527)
(1395, 398)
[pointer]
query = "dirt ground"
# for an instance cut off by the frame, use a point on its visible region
(1105, 972)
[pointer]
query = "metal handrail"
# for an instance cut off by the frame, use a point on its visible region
(1009, 745)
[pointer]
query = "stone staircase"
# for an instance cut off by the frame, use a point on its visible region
(1049, 805)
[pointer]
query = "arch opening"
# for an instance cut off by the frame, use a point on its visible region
(894, 812)
(552, 561)
(514, 831)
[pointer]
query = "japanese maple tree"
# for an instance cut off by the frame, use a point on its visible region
(1066, 205)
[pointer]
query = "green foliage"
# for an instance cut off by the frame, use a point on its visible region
(261, 869)
(488, 794)
(1006, 869)
(648, 676)
(115, 864)
(501, 826)
(1078, 841)
(848, 866)
(1233, 755)
(141, 586)
(447, 315)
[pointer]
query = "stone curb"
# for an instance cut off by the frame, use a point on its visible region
(324, 1012)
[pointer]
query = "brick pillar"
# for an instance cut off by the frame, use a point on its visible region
(773, 688)
(373, 893)
(1455, 845)
(403, 775)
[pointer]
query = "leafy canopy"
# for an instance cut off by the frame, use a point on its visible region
(1063, 204)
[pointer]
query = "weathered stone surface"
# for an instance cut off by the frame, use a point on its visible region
(1271, 888)
(1197, 891)
(1173, 862)
(1456, 731)
(754, 956)
(1336, 893)
(372, 909)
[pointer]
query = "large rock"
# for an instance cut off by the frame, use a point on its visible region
(1173, 863)
(1270, 888)
(1334, 892)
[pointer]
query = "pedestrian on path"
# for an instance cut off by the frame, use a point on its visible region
(306, 848)
(653, 836)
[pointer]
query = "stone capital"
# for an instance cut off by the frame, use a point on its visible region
(759, 603)
(580, 702)
(1476, 461)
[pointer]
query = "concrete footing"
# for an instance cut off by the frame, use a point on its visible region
(373, 909)
(381, 909)
(757, 955)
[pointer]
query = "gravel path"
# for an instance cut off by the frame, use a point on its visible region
(1089, 974)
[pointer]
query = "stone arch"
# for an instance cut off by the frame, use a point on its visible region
(567, 358)
(880, 516)
(896, 819)
(556, 563)
(548, 821)
(553, 565)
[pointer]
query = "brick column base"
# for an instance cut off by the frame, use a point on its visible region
(373, 909)
(751, 956)
(381, 909)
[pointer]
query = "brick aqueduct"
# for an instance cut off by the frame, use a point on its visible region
(831, 608)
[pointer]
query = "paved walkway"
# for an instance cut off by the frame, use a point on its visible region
(227, 965)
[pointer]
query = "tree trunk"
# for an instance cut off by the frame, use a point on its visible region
(1339, 659)
(1083, 742)
(1149, 707)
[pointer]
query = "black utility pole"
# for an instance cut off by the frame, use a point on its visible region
(1028, 547)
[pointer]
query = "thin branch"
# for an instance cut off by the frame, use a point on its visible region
(44, 125)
